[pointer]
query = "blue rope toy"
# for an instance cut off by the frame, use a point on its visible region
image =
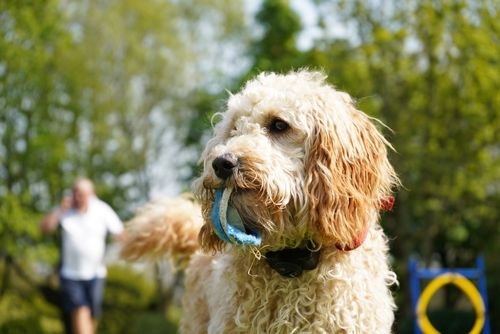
(228, 224)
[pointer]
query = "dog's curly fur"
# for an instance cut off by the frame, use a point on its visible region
(312, 170)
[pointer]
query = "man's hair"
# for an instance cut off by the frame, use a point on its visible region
(85, 183)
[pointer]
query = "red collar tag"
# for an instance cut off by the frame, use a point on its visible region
(386, 203)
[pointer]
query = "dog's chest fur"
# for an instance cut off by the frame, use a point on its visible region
(343, 295)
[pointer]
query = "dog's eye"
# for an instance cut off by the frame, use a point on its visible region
(278, 126)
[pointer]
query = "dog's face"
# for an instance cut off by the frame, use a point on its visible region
(305, 165)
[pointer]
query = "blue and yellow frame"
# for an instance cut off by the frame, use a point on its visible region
(440, 277)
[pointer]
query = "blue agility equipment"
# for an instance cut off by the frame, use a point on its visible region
(439, 277)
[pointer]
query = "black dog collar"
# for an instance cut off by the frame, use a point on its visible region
(291, 262)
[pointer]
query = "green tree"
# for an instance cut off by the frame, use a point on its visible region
(90, 88)
(430, 71)
(276, 48)
(29, 96)
(272, 48)
(31, 36)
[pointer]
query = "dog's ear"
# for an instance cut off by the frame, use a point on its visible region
(347, 173)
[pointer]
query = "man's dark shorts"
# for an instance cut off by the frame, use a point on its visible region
(78, 293)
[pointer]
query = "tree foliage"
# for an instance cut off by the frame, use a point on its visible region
(91, 89)
(430, 71)
(275, 49)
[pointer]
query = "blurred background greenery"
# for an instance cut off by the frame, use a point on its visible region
(122, 91)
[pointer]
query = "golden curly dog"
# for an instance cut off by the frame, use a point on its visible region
(287, 239)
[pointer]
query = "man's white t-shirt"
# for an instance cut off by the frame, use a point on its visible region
(84, 240)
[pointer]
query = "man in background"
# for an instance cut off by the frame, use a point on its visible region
(84, 221)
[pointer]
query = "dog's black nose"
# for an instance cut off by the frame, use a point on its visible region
(224, 165)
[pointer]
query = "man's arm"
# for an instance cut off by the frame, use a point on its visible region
(50, 221)
(121, 237)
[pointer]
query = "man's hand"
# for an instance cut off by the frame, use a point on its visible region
(50, 221)
(66, 204)
(122, 236)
